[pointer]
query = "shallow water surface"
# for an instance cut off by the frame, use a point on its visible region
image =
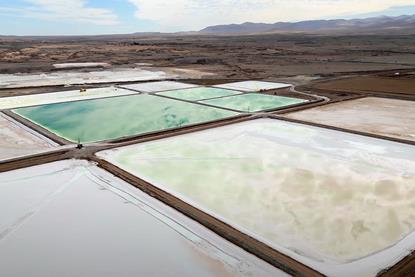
(111, 118)
(328, 195)
(254, 102)
(195, 94)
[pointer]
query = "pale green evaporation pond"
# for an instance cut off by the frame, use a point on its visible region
(195, 94)
(111, 118)
(329, 195)
(254, 102)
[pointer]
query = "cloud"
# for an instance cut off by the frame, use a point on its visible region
(196, 14)
(67, 10)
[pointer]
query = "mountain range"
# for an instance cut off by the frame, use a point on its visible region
(401, 24)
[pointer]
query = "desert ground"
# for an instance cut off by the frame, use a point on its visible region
(299, 59)
(259, 56)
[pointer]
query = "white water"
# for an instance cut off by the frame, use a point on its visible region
(70, 218)
(341, 203)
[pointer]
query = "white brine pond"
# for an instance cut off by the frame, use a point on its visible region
(340, 203)
(71, 218)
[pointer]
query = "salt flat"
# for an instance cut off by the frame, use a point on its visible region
(382, 116)
(20, 80)
(17, 140)
(60, 97)
(253, 86)
(70, 218)
(314, 194)
(158, 86)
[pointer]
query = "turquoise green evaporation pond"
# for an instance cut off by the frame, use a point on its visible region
(254, 102)
(195, 94)
(111, 118)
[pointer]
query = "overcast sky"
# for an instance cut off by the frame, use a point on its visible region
(60, 17)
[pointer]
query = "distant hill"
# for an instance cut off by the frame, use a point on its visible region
(404, 23)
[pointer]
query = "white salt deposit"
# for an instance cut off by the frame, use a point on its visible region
(253, 86)
(158, 86)
(340, 203)
(70, 218)
(62, 96)
(79, 78)
(382, 116)
(79, 65)
(17, 140)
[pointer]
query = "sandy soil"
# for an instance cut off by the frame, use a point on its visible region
(371, 61)
(398, 84)
(261, 56)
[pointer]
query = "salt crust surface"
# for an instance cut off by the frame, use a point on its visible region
(341, 203)
(254, 86)
(16, 140)
(62, 96)
(70, 218)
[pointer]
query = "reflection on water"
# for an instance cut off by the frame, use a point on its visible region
(254, 102)
(103, 119)
(195, 94)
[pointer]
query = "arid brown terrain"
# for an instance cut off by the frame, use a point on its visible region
(259, 56)
(377, 64)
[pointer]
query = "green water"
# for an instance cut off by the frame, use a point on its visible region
(111, 118)
(254, 102)
(195, 94)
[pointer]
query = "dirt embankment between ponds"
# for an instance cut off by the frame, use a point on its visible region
(397, 86)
